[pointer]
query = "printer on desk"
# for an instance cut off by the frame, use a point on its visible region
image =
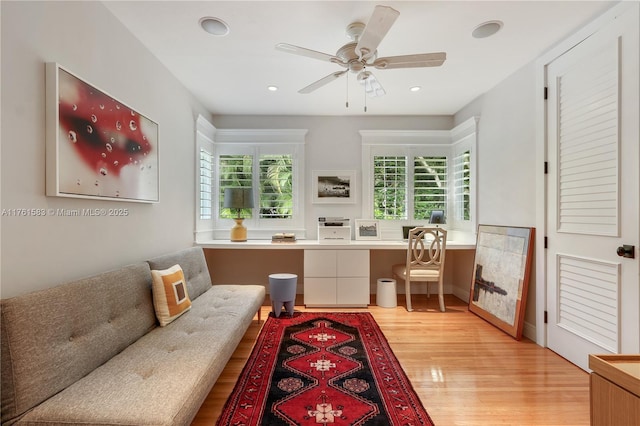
(334, 230)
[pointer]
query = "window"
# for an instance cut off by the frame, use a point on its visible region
(462, 185)
(464, 181)
(206, 180)
(389, 187)
(275, 184)
(236, 171)
(270, 162)
(204, 167)
(408, 174)
(429, 186)
(392, 180)
(276, 187)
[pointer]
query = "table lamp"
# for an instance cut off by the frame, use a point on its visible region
(238, 199)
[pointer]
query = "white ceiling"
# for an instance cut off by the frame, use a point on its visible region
(230, 74)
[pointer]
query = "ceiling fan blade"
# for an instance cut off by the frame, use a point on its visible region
(296, 50)
(411, 61)
(372, 86)
(318, 84)
(379, 24)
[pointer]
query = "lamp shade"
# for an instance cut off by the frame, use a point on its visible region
(238, 198)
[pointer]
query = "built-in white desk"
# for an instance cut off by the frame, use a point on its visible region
(461, 241)
(332, 273)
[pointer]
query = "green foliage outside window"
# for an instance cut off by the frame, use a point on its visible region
(275, 184)
(389, 187)
(276, 187)
(429, 186)
(391, 177)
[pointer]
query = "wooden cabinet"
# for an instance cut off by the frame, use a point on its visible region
(336, 278)
(615, 390)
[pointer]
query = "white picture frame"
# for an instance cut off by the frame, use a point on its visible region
(334, 186)
(96, 146)
(367, 229)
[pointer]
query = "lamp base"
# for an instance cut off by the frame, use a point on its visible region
(239, 231)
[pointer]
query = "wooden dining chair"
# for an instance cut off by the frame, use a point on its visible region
(425, 261)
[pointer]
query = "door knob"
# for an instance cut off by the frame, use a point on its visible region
(627, 251)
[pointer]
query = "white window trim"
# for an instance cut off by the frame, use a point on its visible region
(259, 142)
(422, 142)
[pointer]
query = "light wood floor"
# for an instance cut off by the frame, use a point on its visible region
(465, 371)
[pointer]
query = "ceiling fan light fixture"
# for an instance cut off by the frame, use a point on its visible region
(272, 88)
(487, 29)
(415, 88)
(214, 26)
(372, 86)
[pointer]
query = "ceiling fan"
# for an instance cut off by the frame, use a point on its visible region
(361, 53)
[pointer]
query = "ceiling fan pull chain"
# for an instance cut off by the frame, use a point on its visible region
(347, 101)
(365, 100)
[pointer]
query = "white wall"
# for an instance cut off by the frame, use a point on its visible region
(507, 160)
(333, 143)
(39, 252)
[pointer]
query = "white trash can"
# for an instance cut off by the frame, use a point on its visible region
(386, 296)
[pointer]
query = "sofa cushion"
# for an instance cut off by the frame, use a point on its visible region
(170, 296)
(54, 337)
(194, 267)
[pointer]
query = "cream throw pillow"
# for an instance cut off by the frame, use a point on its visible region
(170, 297)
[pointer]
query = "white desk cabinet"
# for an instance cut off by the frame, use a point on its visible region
(336, 278)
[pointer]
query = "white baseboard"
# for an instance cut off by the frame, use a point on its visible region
(529, 331)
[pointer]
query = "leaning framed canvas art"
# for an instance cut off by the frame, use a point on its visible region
(97, 147)
(500, 279)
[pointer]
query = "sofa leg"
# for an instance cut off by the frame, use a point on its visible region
(259, 313)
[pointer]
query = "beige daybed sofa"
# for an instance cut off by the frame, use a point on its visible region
(91, 352)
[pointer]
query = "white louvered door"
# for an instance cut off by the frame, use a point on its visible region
(593, 298)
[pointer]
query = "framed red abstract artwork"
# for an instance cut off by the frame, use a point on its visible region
(97, 146)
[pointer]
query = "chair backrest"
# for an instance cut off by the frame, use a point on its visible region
(427, 248)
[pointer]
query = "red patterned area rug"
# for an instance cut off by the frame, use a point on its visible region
(323, 368)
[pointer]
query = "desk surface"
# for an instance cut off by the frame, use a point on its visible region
(460, 243)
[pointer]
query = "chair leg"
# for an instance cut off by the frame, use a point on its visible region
(441, 295)
(407, 292)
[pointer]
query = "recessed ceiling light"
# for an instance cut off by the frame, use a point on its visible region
(214, 26)
(415, 88)
(272, 88)
(487, 29)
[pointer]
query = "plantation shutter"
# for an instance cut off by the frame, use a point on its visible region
(429, 185)
(461, 185)
(276, 186)
(390, 187)
(206, 191)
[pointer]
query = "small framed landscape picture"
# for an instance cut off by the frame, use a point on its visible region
(367, 229)
(334, 186)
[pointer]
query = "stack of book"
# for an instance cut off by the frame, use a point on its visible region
(283, 237)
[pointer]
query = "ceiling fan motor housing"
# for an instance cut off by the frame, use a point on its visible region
(348, 55)
(348, 52)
